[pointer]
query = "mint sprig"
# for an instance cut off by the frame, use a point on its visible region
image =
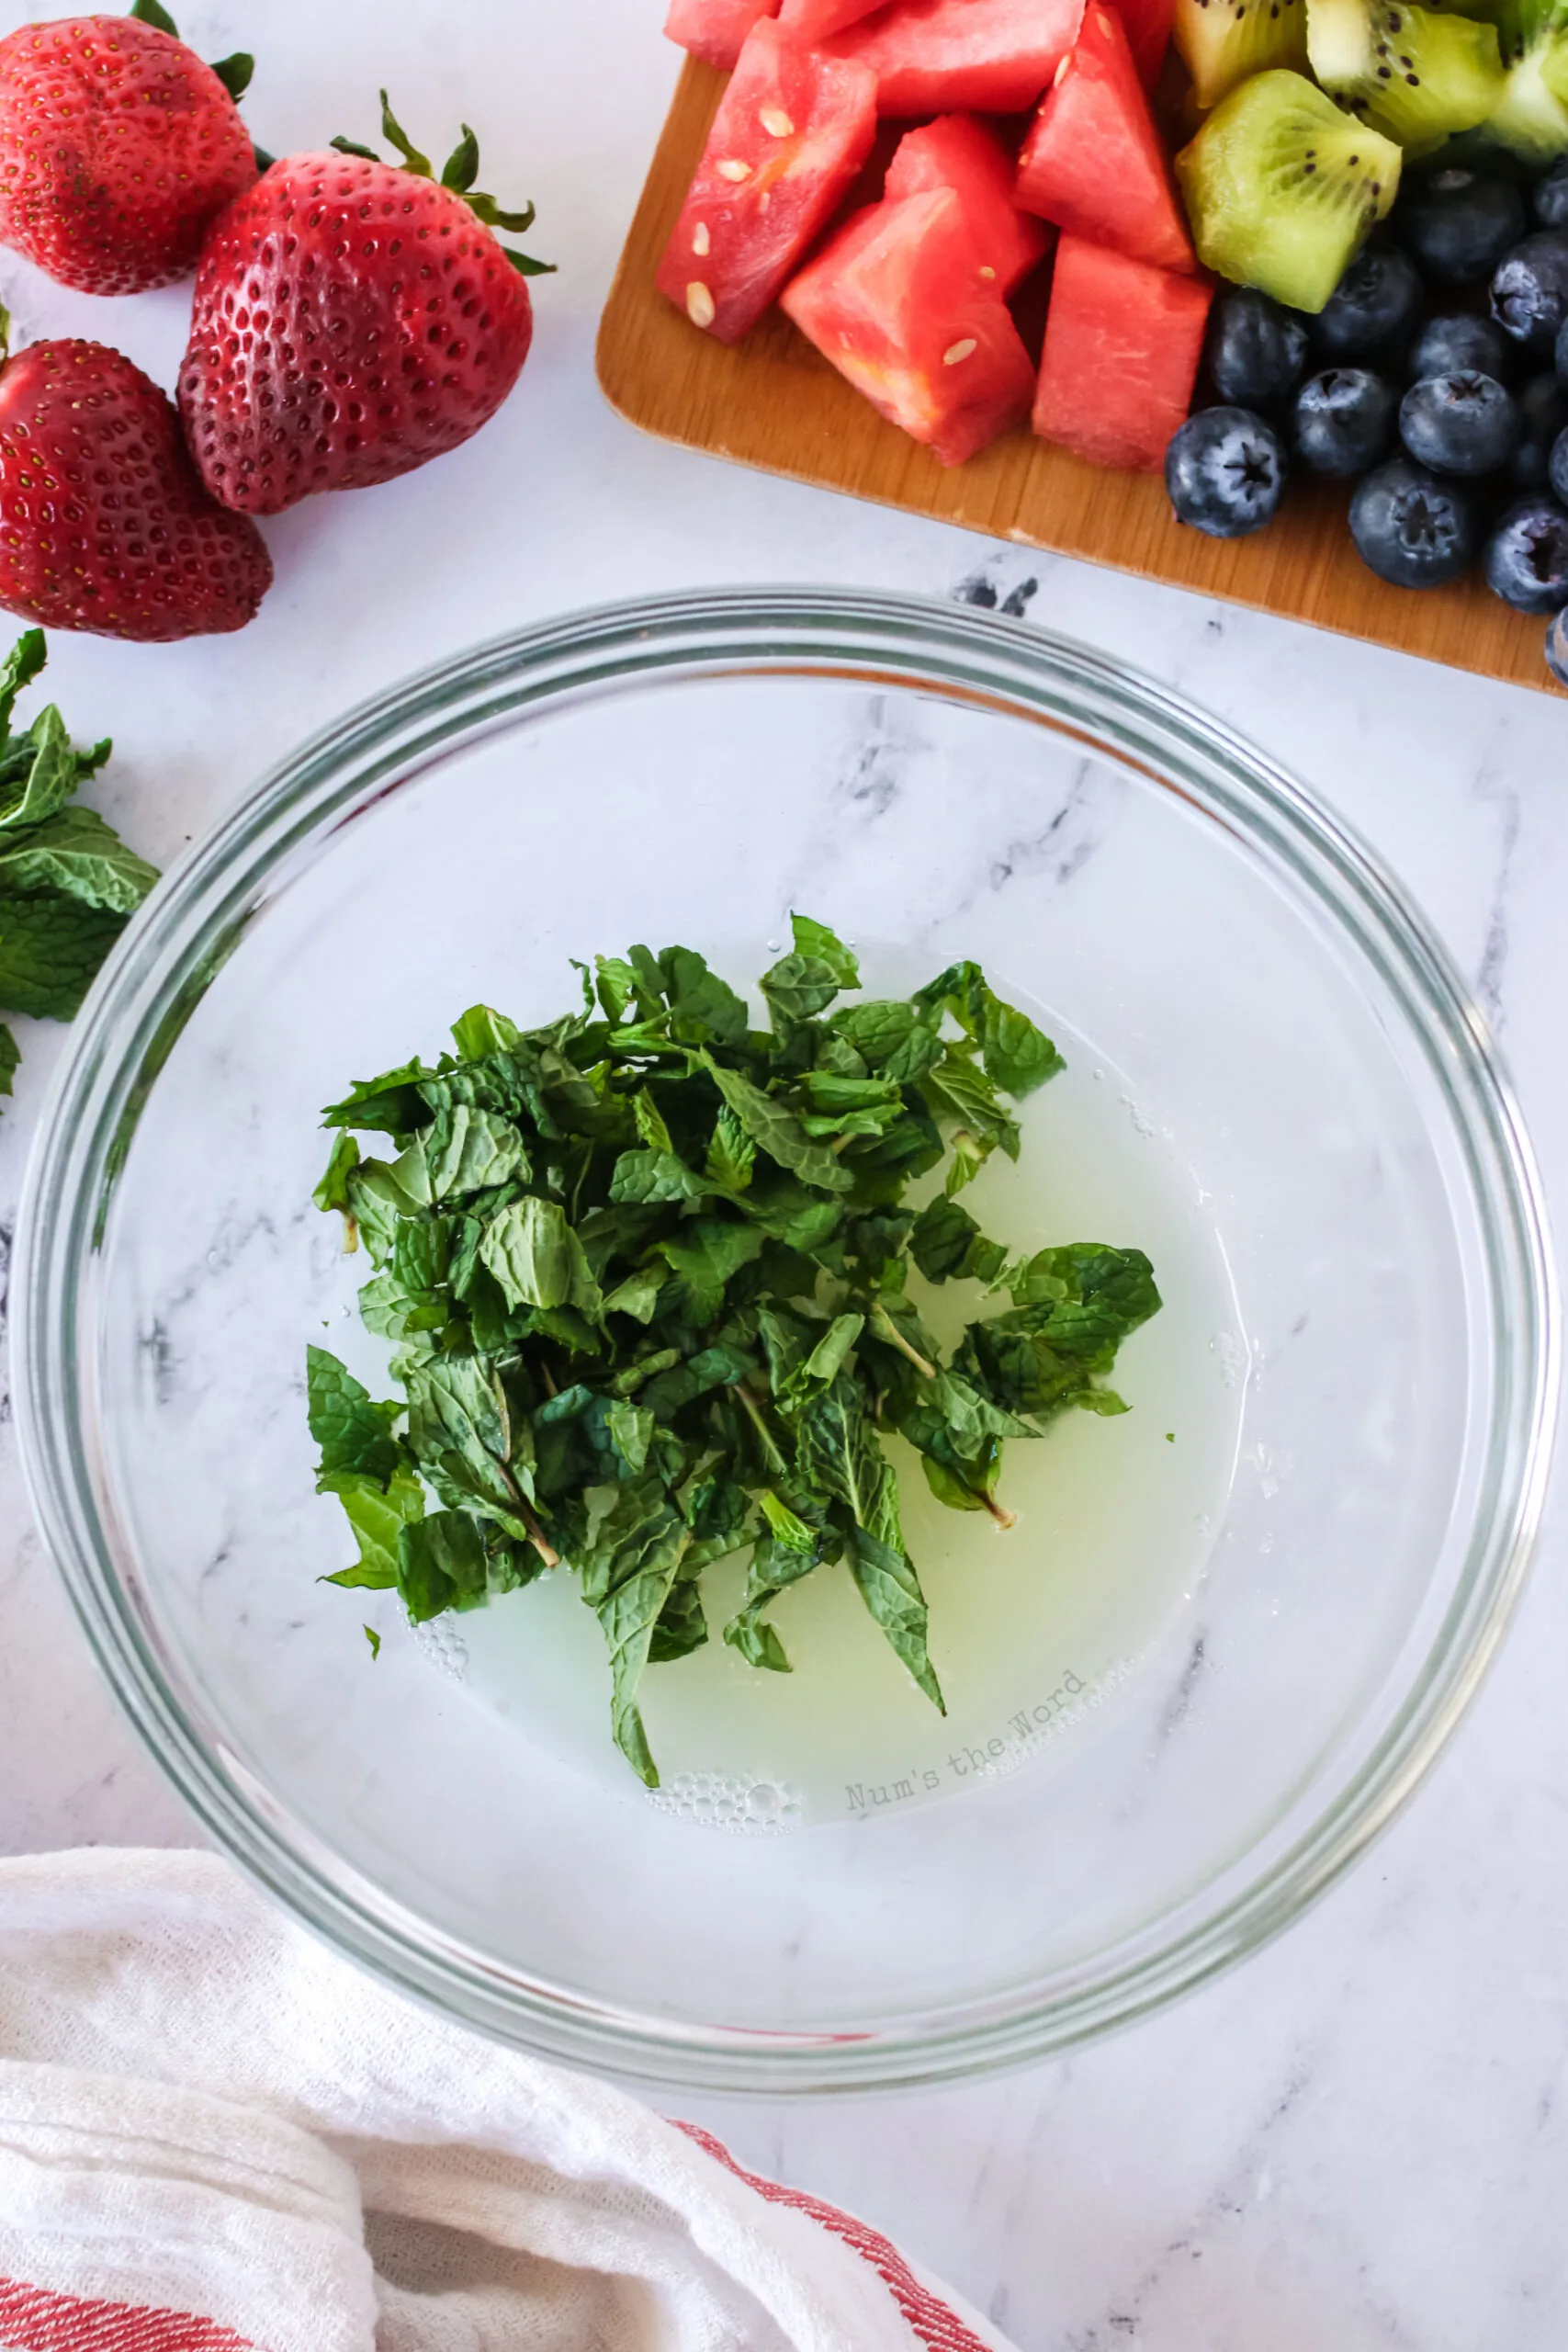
(646, 1270)
(68, 883)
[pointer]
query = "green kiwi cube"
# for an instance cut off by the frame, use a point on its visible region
(1281, 188)
(1530, 118)
(1221, 42)
(1411, 73)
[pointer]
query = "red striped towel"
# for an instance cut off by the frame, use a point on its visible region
(216, 2137)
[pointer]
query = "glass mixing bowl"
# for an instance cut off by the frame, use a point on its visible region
(1269, 1011)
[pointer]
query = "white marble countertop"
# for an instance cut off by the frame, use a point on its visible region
(1361, 2140)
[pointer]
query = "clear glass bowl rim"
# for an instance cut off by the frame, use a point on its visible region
(197, 916)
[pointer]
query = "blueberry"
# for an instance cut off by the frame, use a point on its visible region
(1543, 414)
(1530, 292)
(1224, 471)
(1557, 646)
(1557, 466)
(1549, 196)
(1459, 424)
(1459, 224)
(1527, 557)
(1411, 528)
(1460, 347)
(1560, 353)
(1256, 348)
(1344, 420)
(1373, 309)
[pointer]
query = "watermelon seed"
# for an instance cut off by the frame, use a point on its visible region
(699, 304)
(701, 241)
(957, 351)
(776, 123)
(986, 270)
(734, 169)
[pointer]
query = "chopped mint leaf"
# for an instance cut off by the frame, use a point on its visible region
(652, 1284)
(374, 1638)
(353, 1434)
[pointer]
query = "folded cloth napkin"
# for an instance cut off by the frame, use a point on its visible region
(215, 2136)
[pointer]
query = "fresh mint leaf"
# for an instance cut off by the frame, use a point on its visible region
(440, 1565)
(50, 949)
(20, 667)
(895, 1040)
(708, 1250)
(51, 776)
(947, 1245)
(353, 1434)
(332, 1192)
(376, 1201)
(377, 1516)
(11, 1056)
(537, 1258)
(886, 1579)
(651, 1123)
(682, 1626)
(778, 1132)
(816, 940)
(463, 1150)
(701, 1004)
(391, 1105)
(616, 985)
(460, 1433)
(1087, 1298)
(1017, 1055)
(637, 1295)
(837, 1453)
(480, 1031)
(731, 1154)
(627, 1574)
(797, 988)
(645, 1177)
(75, 855)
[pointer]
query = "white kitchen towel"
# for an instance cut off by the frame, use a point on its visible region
(215, 2136)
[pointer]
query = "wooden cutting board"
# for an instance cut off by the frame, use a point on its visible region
(771, 401)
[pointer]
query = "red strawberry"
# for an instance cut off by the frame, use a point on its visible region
(352, 319)
(117, 146)
(103, 525)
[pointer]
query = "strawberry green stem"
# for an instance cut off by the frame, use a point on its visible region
(458, 174)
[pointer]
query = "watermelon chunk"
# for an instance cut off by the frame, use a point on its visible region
(1147, 24)
(1123, 342)
(716, 30)
(941, 56)
(810, 20)
(792, 130)
(1093, 162)
(961, 153)
(897, 304)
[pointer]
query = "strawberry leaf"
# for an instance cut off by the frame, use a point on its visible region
(412, 160)
(148, 12)
(461, 168)
(235, 72)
